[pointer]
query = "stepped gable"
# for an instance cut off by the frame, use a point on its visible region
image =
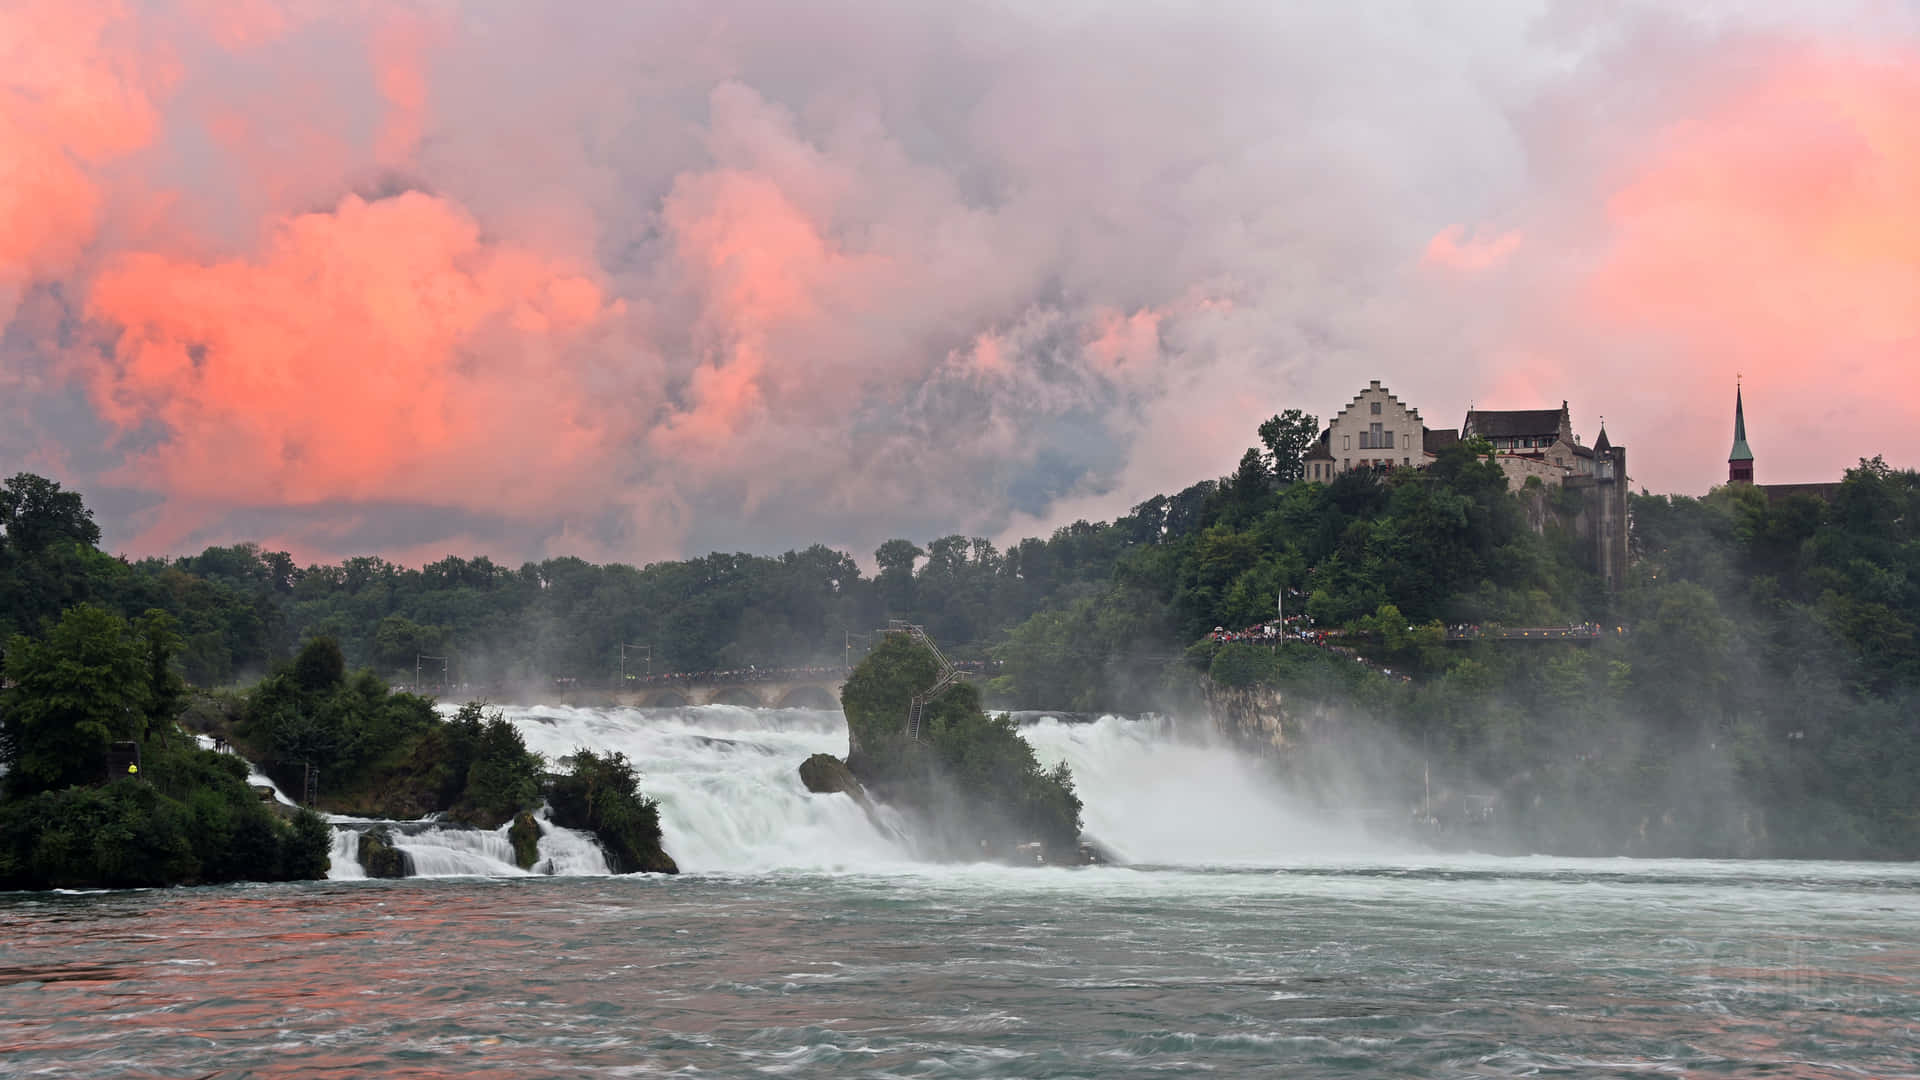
(1373, 384)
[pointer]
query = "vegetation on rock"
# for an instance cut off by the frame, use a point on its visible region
(969, 774)
(378, 855)
(525, 838)
(601, 794)
(380, 752)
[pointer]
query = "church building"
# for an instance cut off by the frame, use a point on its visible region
(1740, 461)
(1740, 458)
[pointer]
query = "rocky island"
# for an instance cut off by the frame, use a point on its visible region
(965, 781)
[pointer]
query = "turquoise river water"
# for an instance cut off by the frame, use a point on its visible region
(1242, 941)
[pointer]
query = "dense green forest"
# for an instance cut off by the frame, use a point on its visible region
(1212, 553)
(1762, 700)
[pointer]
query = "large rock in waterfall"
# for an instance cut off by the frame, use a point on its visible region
(968, 785)
(824, 774)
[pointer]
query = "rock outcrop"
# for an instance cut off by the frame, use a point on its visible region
(379, 858)
(525, 838)
(824, 774)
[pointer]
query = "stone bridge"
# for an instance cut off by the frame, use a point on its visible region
(807, 688)
(781, 693)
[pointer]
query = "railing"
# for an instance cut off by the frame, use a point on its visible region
(917, 708)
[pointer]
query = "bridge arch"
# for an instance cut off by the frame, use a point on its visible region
(741, 696)
(665, 699)
(809, 697)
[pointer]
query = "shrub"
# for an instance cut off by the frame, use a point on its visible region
(602, 795)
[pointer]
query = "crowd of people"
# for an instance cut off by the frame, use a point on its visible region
(755, 674)
(1571, 630)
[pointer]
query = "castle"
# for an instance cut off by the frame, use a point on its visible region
(1376, 430)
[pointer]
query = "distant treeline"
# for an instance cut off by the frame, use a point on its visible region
(1212, 553)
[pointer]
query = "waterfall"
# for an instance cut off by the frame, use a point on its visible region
(434, 849)
(567, 852)
(343, 861)
(728, 782)
(452, 852)
(1151, 795)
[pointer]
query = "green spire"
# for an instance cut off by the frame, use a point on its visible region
(1740, 451)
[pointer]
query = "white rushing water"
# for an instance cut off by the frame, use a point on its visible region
(731, 799)
(437, 850)
(343, 860)
(728, 782)
(1153, 793)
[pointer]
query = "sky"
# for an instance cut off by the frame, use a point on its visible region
(639, 281)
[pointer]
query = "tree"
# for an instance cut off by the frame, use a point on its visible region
(159, 642)
(320, 666)
(1288, 437)
(35, 514)
(399, 641)
(896, 559)
(77, 690)
(1251, 480)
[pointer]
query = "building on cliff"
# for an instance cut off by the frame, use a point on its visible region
(1532, 442)
(1540, 443)
(1376, 430)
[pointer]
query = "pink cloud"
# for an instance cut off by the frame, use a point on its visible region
(1454, 248)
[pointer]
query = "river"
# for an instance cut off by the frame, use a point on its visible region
(1244, 938)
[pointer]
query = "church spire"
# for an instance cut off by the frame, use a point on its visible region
(1740, 458)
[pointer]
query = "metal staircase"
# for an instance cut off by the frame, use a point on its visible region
(917, 708)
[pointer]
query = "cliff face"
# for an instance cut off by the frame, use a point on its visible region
(1254, 718)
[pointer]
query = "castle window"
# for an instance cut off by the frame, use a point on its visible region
(1346, 442)
(1376, 408)
(1406, 442)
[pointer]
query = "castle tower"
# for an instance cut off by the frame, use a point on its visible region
(1740, 459)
